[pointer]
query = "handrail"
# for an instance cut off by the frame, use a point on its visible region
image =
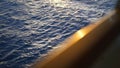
(79, 43)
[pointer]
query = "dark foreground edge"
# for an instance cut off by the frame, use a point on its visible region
(80, 44)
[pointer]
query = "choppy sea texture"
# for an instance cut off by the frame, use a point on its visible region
(29, 29)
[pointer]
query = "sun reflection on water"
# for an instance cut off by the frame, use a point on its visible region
(59, 3)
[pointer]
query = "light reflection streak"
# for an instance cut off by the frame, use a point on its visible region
(81, 34)
(59, 3)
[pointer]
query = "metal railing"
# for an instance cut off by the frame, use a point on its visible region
(80, 43)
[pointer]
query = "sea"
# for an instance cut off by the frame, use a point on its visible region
(31, 29)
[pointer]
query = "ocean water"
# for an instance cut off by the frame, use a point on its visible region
(30, 29)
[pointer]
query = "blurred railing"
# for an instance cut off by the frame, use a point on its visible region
(77, 49)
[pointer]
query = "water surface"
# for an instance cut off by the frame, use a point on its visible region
(29, 29)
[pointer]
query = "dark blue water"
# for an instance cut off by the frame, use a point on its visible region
(29, 29)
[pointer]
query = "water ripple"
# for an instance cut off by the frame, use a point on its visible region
(29, 29)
